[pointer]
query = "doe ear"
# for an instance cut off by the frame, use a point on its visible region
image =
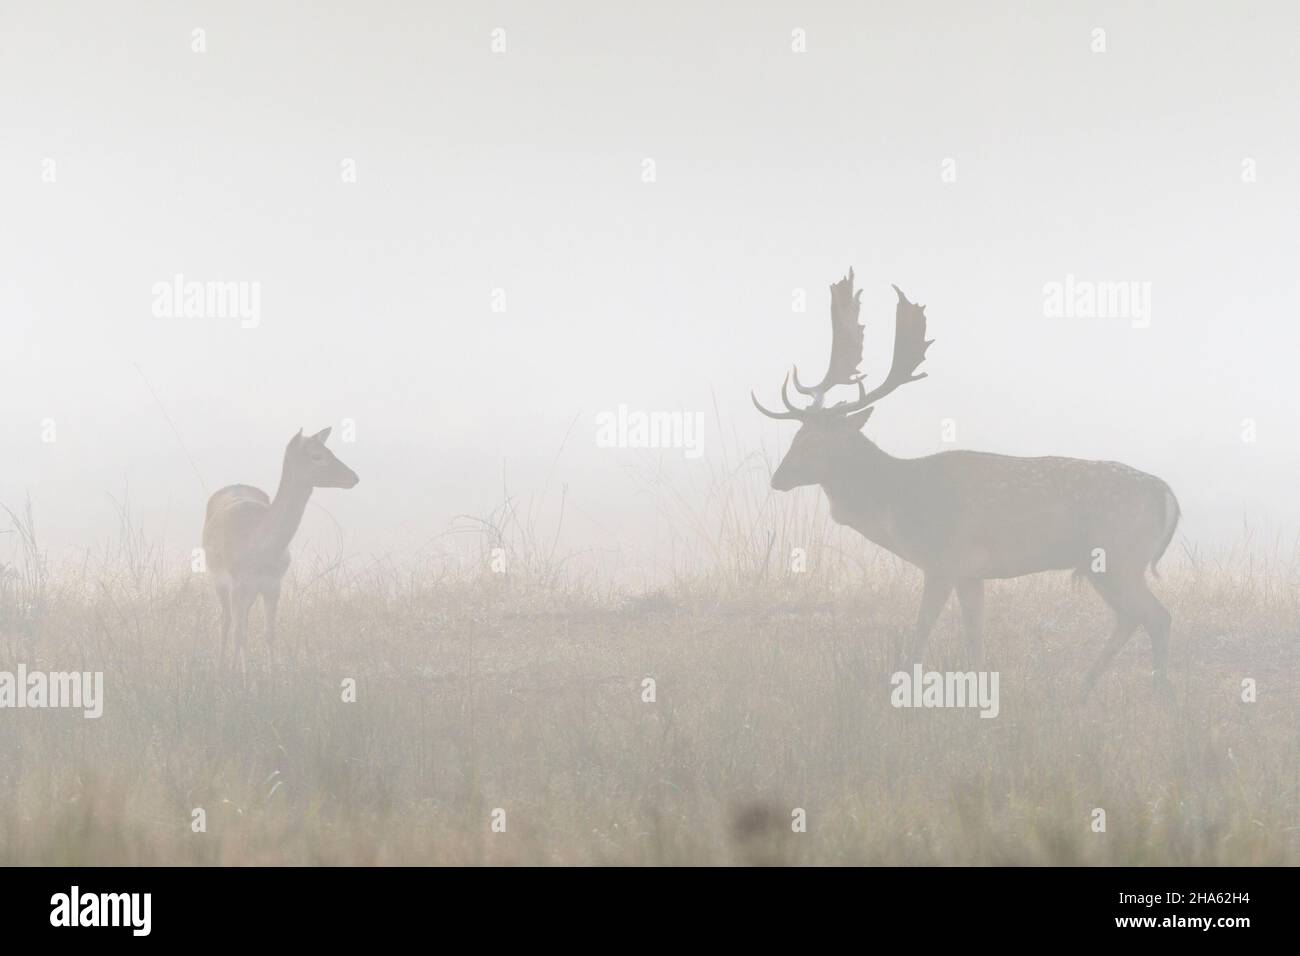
(858, 419)
(323, 435)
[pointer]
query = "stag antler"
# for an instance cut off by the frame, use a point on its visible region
(791, 412)
(910, 345)
(846, 343)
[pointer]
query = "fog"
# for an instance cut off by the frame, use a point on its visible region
(507, 266)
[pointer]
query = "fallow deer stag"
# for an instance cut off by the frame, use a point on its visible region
(964, 516)
(246, 534)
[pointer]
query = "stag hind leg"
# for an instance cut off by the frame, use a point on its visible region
(1156, 621)
(1124, 628)
(970, 594)
(1134, 605)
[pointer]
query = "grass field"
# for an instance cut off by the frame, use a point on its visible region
(477, 691)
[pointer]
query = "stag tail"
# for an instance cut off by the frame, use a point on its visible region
(1172, 514)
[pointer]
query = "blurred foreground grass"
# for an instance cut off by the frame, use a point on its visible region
(485, 691)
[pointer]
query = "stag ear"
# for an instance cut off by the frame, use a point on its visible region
(858, 419)
(323, 435)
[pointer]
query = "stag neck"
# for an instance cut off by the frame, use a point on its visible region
(863, 463)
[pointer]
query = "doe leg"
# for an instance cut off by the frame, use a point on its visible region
(242, 602)
(223, 597)
(271, 605)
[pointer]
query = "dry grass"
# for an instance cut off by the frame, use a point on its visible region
(479, 691)
(523, 691)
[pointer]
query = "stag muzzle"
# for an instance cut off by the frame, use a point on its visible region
(782, 480)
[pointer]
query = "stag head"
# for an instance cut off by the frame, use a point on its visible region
(827, 434)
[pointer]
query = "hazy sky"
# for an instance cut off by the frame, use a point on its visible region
(523, 171)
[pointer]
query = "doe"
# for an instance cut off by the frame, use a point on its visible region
(246, 534)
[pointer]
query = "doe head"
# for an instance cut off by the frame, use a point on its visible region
(314, 464)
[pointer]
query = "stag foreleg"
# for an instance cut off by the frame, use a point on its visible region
(935, 594)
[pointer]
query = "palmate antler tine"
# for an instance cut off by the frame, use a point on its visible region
(910, 345)
(846, 337)
(846, 343)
